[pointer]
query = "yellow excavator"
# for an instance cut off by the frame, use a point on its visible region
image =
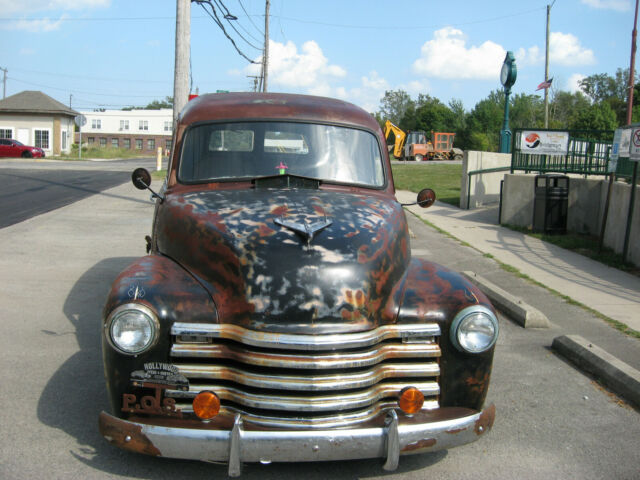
(415, 145)
(400, 137)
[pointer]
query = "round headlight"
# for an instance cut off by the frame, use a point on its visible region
(132, 328)
(474, 330)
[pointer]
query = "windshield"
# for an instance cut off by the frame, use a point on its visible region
(258, 149)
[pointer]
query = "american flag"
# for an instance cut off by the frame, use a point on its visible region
(544, 85)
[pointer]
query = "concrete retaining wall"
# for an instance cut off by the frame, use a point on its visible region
(485, 187)
(586, 202)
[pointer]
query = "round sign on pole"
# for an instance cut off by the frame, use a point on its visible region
(80, 120)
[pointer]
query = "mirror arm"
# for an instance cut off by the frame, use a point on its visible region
(153, 194)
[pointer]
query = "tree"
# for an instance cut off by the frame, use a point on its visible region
(154, 105)
(564, 105)
(526, 111)
(433, 115)
(394, 105)
(597, 117)
(485, 122)
(602, 87)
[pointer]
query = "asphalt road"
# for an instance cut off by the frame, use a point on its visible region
(26, 191)
(55, 271)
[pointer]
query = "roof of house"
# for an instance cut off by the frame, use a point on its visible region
(33, 101)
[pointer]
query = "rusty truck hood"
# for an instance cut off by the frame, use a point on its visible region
(250, 250)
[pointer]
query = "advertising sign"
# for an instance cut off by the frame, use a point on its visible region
(615, 148)
(542, 142)
(634, 151)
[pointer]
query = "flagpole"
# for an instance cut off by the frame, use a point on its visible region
(546, 70)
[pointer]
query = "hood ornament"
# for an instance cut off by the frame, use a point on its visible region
(305, 230)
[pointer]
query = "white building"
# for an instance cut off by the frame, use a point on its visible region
(143, 130)
(36, 119)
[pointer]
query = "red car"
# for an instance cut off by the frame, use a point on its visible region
(14, 148)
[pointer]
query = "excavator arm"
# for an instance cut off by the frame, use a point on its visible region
(400, 138)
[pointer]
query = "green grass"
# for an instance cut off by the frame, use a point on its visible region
(442, 178)
(159, 174)
(101, 152)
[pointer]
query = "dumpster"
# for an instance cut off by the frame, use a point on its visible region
(550, 203)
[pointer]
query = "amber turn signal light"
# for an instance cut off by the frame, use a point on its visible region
(411, 400)
(206, 405)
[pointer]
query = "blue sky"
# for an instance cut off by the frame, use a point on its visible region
(113, 53)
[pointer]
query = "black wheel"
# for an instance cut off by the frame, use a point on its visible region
(26, 154)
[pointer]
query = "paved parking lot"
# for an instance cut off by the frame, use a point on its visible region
(552, 421)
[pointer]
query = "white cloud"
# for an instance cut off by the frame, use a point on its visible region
(573, 84)
(530, 56)
(305, 69)
(565, 49)
(618, 5)
(13, 6)
(36, 26)
(414, 87)
(448, 56)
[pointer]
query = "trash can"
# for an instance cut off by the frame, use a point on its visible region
(550, 204)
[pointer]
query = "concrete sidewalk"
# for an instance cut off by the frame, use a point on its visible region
(606, 290)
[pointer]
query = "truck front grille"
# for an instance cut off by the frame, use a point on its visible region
(306, 381)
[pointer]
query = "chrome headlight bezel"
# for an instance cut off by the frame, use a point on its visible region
(464, 319)
(119, 314)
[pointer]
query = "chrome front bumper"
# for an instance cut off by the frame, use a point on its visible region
(400, 434)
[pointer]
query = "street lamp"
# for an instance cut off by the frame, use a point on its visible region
(508, 76)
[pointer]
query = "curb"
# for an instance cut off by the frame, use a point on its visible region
(619, 377)
(514, 307)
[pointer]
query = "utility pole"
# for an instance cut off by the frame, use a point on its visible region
(634, 175)
(70, 97)
(546, 70)
(4, 83)
(181, 67)
(265, 59)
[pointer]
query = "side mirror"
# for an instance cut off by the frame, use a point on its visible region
(141, 179)
(426, 198)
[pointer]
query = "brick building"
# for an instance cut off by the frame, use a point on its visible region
(141, 130)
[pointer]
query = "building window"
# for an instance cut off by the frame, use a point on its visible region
(96, 124)
(151, 144)
(167, 145)
(103, 142)
(91, 140)
(138, 144)
(6, 133)
(167, 126)
(126, 143)
(115, 143)
(42, 138)
(143, 125)
(124, 125)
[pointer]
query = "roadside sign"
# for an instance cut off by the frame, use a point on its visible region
(544, 142)
(615, 149)
(80, 120)
(634, 150)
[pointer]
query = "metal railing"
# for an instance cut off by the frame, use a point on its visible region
(588, 154)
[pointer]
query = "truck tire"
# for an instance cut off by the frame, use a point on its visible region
(419, 157)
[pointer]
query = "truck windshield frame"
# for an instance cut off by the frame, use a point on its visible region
(238, 151)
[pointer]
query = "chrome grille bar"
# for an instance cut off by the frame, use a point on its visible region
(340, 341)
(297, 403)
(372, 356)
(343, 381)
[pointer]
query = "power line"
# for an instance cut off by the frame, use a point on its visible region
(230, 18)
(83, 92)
(249, 17)
(405, 27)
(215, 18)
